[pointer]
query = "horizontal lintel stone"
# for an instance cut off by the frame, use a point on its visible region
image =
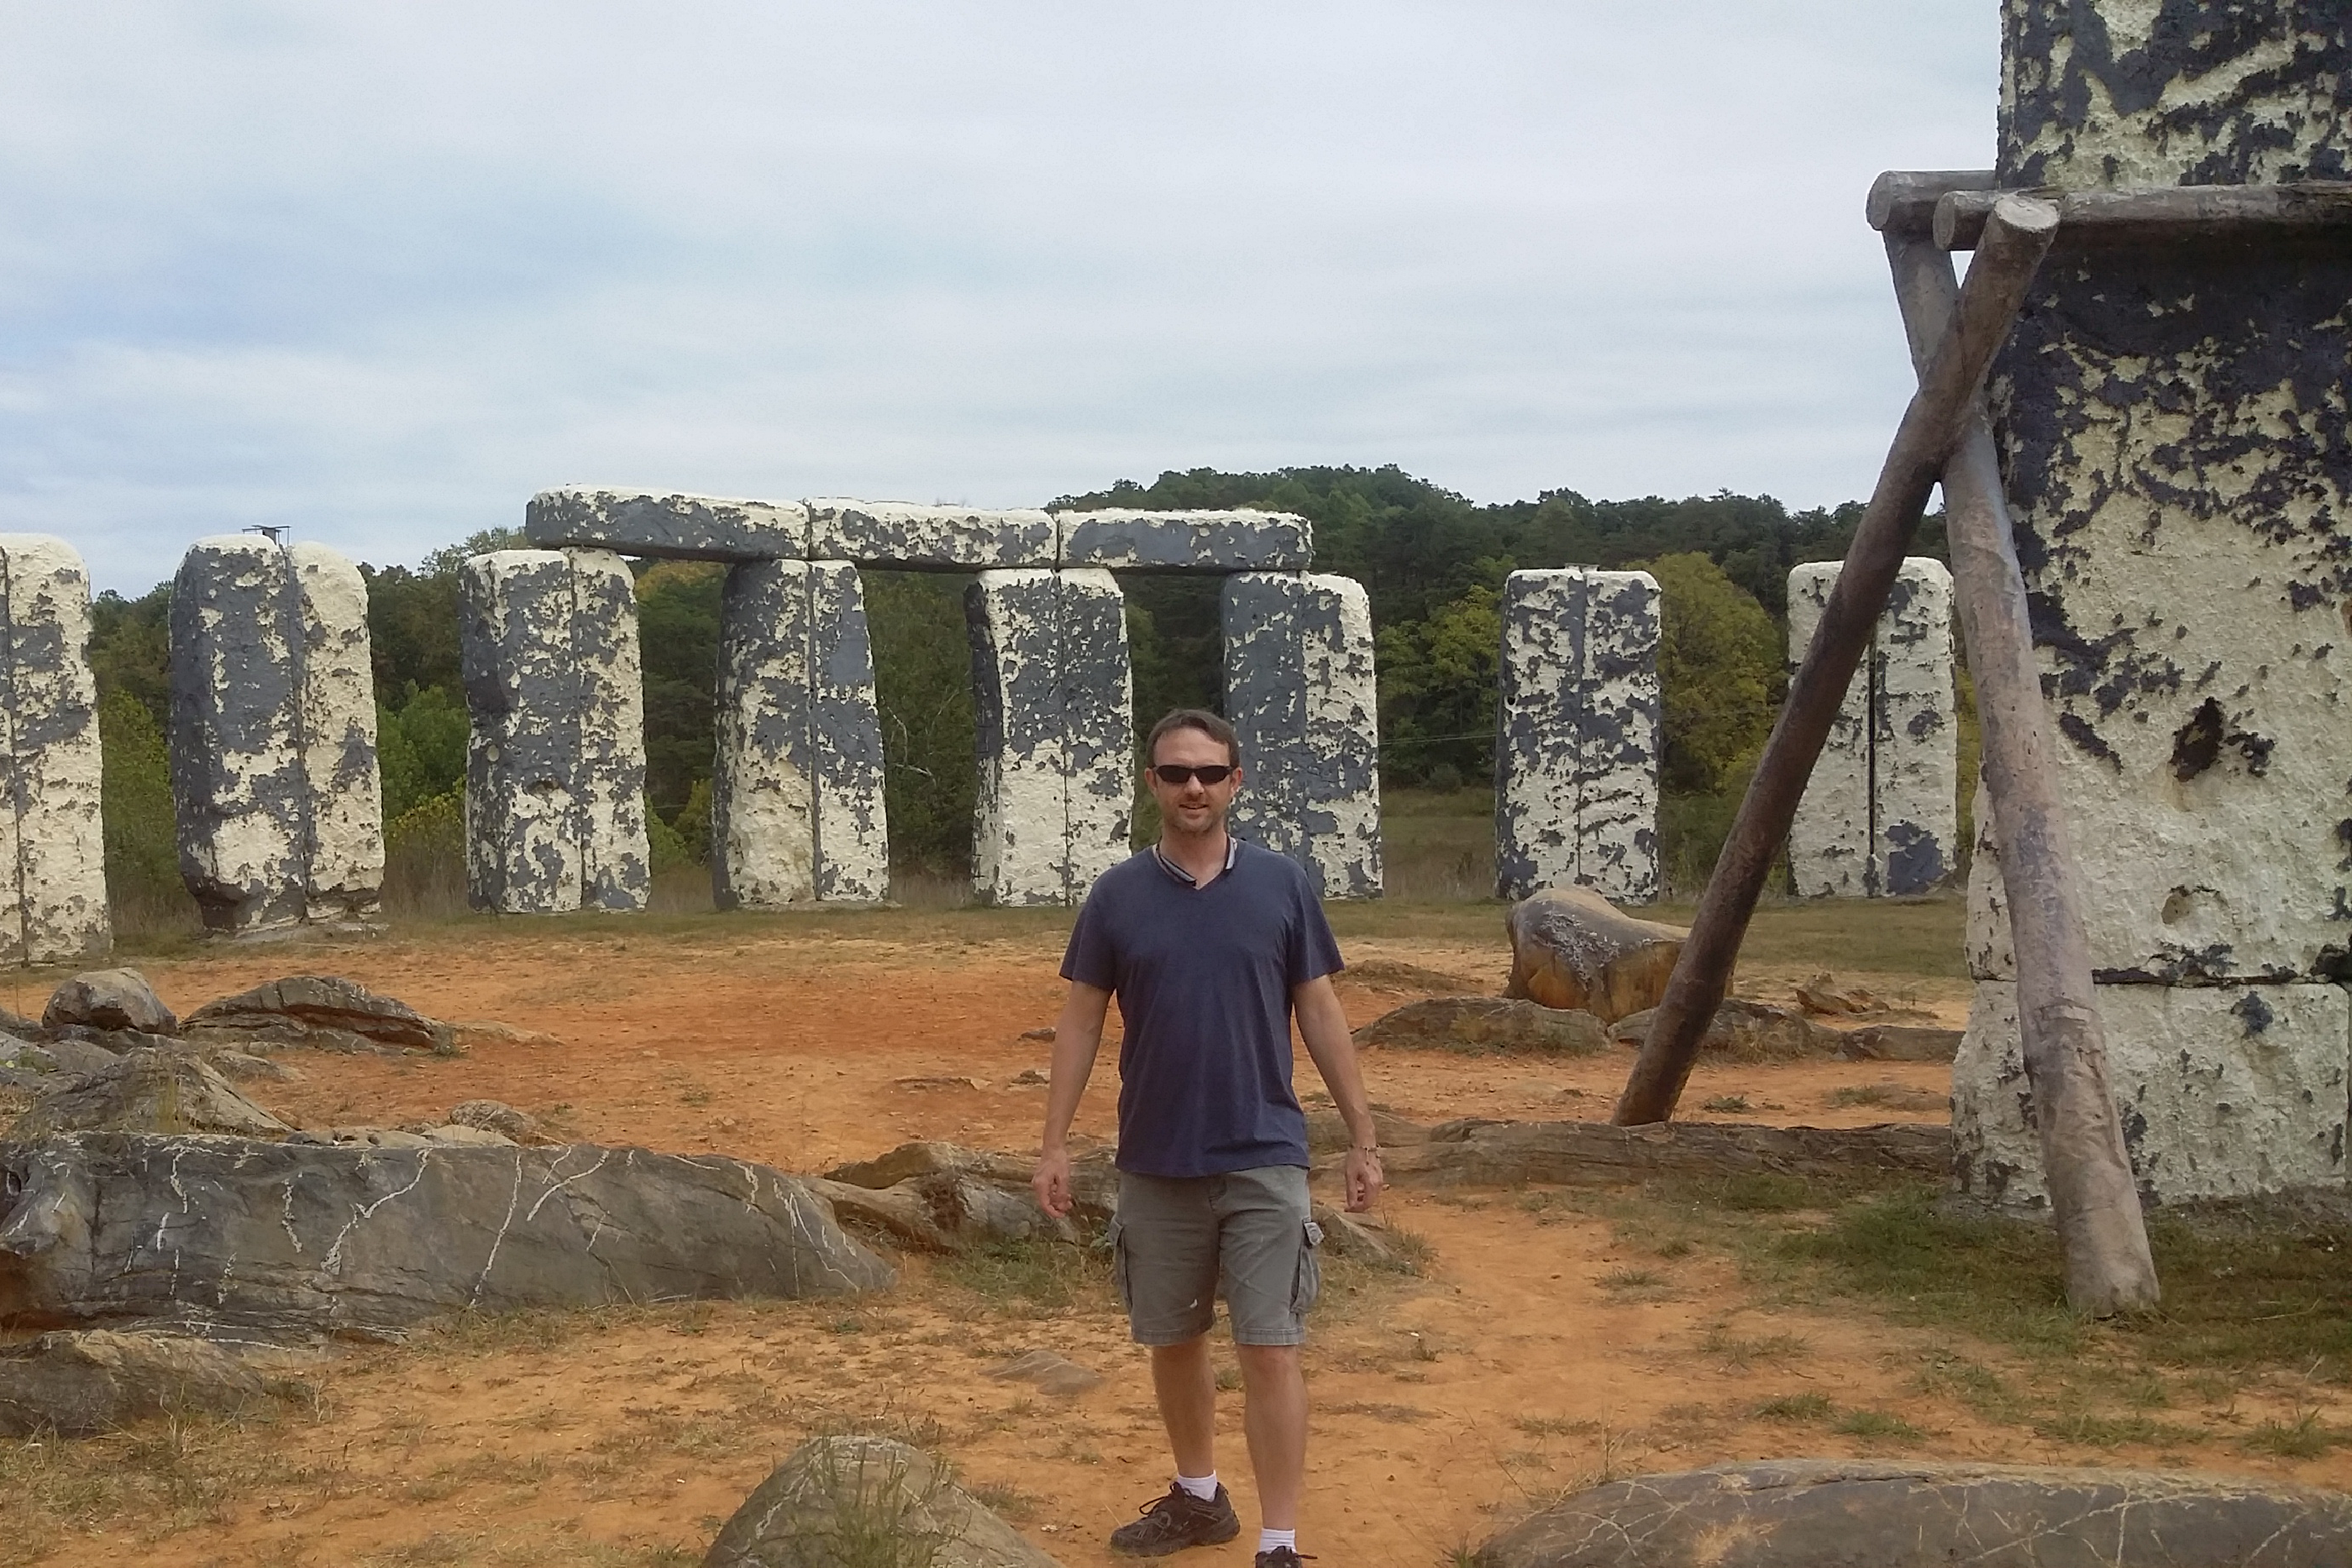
(897, 535)
(679, 527)
(1198, 541)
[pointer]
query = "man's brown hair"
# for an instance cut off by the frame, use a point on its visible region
(1202, 719)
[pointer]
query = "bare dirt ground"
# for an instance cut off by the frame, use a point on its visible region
(1551, 1338)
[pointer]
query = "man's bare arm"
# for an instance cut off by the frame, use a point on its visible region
(1077, 1035)
(1323, 1024)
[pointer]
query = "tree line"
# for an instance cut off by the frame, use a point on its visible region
(1432, 562)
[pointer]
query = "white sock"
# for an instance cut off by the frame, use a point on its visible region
(1267, 1540)
(1201, 1486)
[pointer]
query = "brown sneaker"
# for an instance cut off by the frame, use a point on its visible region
(1171, 1523)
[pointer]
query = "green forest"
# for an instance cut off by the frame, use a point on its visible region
(1432, 563)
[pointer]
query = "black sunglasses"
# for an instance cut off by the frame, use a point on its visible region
(1175, 775)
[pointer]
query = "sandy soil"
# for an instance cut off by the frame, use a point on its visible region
(1547, 1343)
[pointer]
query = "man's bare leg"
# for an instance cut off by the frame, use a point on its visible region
(1186, 1385)
(1274, 1382)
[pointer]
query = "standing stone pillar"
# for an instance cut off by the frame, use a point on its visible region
(797, 808)
(1880, 815)
(273, 734)
(1576, 776)
(555, 764)
(1054, 698)
(2170, 417)
(1299, 690)
(52, 843)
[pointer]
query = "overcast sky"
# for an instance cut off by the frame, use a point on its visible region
(379, 271)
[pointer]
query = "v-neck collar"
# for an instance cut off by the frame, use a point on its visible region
(1233, 851)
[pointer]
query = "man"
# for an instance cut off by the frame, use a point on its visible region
(1211, 946)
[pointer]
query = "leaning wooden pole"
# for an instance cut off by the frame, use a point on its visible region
(2016, 237)
(2092, 1196)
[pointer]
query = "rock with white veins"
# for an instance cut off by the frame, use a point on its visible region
(2223, 1091)
(1299, 692)
(655, 523)
(52, 844)
(853, 826)
(1577, 787)
(1201, 541)
(931, 538)
(1880, 812)
(555, 766)
(1054, 701)
(344, 879)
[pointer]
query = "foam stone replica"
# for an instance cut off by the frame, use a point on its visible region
(1241, 541)
(273, 734)
(796, 798)
(930, 539)
(1880, 814)
(1299, 691)
(1057, 739)
(649, 523)
(2169, 422)
(52, 846)
(555, 767)
(1576, 798)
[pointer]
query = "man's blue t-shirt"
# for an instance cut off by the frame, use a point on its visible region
(1203, 977)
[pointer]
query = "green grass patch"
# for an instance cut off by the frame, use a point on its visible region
(1796, 1408)
(1878, 1424)
(2305, 1437)
(1032, 1276)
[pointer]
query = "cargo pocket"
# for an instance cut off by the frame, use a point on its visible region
(1307, 1283)
(1115, 1240)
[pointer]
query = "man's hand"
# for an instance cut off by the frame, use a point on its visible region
(1364, 1178)
(1052, 1181)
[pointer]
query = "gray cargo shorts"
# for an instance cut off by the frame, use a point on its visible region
(1179, 1242)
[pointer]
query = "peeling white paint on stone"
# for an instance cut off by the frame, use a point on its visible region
(763, 786)
(1880, 813)
(662, 524)
(2224, 1091)
(344, 860)
(1206, 541)
(555, 765)
(1054, 697)
(52, 841)
(852, 824)
(1300, 691)
(1576, 798)
(934, 538)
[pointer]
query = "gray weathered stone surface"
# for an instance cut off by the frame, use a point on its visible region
(1477, 1153)
(1299, 689)
(147, 1090)
(932, 538)
(823, 1508)
(1506, 1024)
(1880, 814)
(109, 999)
(343, 858)
(236, 740)
(1570, 948)
(1743, 1031)
(290, 1010)
(1243, 540)
(2222, 1091)
(303, 1239)
(273, 734)
(85, 1384)
(53, 905)
(555, 768)
(1576, 798)
(853, 825)
(1057, 734)
(656, 523)
(1809, 1513)
(763, 785)
(947, 1198)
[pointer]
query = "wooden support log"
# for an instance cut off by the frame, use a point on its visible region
(2092, 1195)
(2015, 241)
(2165, 213)
(1903, 201)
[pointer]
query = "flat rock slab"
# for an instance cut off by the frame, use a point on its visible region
(1742, 1030)
(1825, 1513)
(1475, 1152)
(826, 1505)
(1227, 541)
(147, 1090)
(667, 525)
(1505, 1024)
(1899, 1042)
(300, 1005)
(301, 1240)
(943, 1197)
(1570, 947)
(82, 1384)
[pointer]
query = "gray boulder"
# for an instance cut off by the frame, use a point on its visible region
(147, 1090)
(1742, 1031)
(83, 1385)
(495, 1116)
(1503, 1024)
(285, 1240)
(323, 1012)
(1819, 1513)
(1570, 947)
(1900, 1042)
(947, 1198)
(109, 998)
(850, 1501)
